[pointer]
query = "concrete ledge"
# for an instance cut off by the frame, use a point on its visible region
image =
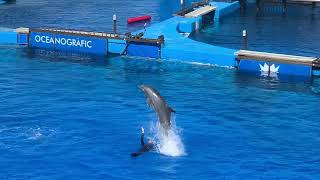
(23, 30)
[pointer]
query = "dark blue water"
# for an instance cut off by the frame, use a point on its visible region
(81, 14)
(297, 32)
(72, 117)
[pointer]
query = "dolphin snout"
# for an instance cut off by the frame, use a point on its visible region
(142, 87)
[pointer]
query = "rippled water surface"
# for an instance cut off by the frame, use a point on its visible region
(75, 117)
(297, 32)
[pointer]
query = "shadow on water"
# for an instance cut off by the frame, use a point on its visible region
(56, 56)
(128, 64)
(280, 83)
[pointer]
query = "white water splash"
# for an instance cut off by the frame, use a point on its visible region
(35, 133)
(171, 144)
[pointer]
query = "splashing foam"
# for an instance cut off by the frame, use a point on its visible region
(171, 144)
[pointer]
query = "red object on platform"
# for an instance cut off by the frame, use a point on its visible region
(137, 19)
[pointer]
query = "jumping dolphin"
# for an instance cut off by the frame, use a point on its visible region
(159, 105)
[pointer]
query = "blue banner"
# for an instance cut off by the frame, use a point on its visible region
(274, 69)
(70, 43)
(39, 39)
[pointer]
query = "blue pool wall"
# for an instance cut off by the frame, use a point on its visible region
(8, 36)
(189, 25)
(22, 39)
(116, 46)
(284, 69)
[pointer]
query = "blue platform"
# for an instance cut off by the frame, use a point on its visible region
(8, 36)
(180, 48)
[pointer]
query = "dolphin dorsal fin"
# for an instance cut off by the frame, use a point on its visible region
(172, 110)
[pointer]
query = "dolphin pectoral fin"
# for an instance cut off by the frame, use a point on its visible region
(139, 152)
(135, 154)
(149, 102)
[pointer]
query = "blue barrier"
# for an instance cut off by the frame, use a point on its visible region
(73, 43)
(251, 66)
(144, 50)
(116, 46)
(22, 39)
(294, 69)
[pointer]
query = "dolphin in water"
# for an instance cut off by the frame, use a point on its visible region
(159, 105)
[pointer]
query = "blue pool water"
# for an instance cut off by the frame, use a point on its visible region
(297, 32)
(73, 117)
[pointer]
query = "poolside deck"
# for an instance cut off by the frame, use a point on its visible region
(201, 11)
